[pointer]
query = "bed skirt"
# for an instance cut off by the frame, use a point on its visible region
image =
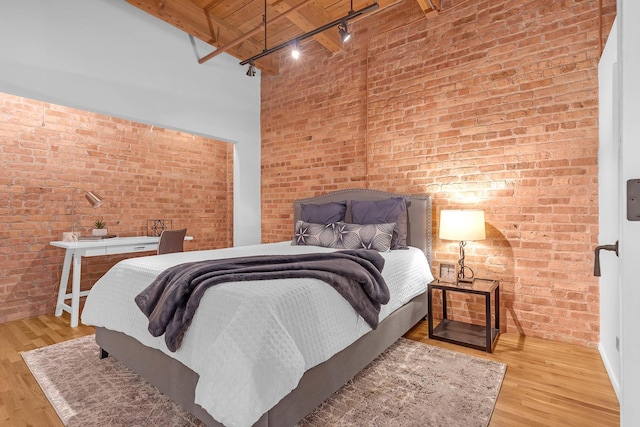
(178, 382)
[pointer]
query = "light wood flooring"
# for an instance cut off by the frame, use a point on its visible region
(546, 384)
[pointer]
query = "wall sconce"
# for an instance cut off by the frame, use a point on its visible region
(462, 225)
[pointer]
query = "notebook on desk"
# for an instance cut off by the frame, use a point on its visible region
(86, 238)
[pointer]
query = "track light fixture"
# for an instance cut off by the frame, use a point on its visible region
(343, 29)
(251, 72)
(295, 49)
(341, 23)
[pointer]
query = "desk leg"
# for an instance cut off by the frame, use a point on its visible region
(64, 279)
(75, 290)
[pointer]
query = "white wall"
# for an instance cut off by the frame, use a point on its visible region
(108, 57)
(629, 69)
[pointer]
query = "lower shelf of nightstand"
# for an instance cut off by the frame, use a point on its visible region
(466, 334)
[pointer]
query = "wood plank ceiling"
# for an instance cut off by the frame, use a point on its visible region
(236, 26)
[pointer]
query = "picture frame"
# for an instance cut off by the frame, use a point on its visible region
(448, 272)
(155, 227)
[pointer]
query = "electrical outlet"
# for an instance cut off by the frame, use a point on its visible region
(618, 343)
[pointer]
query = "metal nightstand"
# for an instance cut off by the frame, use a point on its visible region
(466, 334)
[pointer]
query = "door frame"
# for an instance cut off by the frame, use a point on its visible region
(629, 70)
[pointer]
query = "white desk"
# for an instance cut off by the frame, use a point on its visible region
(76, 250)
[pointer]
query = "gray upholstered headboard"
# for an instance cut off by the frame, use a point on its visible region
(418, 209)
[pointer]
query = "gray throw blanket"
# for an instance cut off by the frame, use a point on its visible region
(170, 302)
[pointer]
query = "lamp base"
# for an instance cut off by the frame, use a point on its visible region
(462, 276)
(466, 280)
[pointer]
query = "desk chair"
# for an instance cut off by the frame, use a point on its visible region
(171, 241)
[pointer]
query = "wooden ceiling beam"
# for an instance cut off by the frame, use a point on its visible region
(235, 26)
(182, 14)
(431, 8)
(192, 19)
(256, 30)
(313, 17)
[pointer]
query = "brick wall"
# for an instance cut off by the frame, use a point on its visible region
(143, 172)
(491, 105)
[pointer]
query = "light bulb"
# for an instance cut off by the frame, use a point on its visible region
(295, 49)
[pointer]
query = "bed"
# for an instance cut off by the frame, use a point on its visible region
(176, 373)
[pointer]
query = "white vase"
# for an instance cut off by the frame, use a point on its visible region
(99, 232)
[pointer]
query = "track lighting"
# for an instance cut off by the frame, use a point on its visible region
(295, 49)
(343, 29)
(341, 23)
(251, 72)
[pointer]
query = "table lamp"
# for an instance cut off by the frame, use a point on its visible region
(462, 225)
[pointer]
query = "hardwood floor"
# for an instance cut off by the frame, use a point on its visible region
(546, 384)
(22, 402)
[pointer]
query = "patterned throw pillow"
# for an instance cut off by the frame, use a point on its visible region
(310, 234)
(364, 236)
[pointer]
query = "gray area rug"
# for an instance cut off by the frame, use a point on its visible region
(411, 384)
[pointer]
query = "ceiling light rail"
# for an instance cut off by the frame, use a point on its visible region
(252, 33)
(338, 22)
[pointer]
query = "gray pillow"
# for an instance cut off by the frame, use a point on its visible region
(324, 213)
(385, 211)
(309, 234)
(364, 236)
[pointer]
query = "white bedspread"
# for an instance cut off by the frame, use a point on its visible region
(251, 342)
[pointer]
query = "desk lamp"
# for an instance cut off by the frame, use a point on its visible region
(92, 197)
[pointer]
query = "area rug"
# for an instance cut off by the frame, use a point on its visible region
(411, 384)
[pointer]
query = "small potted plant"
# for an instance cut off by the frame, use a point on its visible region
(99, 228)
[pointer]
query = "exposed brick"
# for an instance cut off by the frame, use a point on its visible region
(143, 172)
(500, 112)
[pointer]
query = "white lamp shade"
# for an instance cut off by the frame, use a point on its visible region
(462, 225)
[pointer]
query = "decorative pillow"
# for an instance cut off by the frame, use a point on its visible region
(364, 236)
(309, 234)
(324, 213)
(384, 211)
